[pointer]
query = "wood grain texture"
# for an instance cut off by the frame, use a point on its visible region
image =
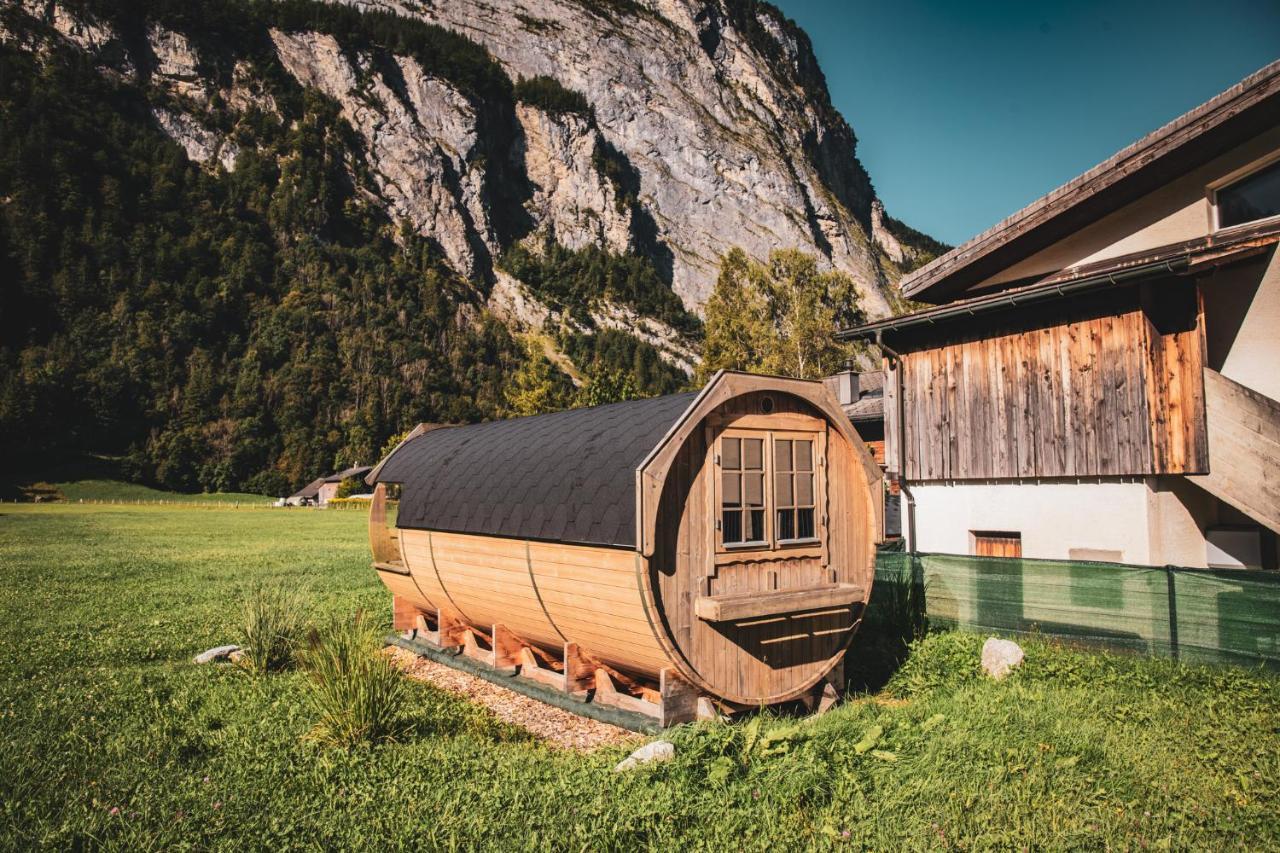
(1102, 387)
(1244, 449)
(612, 610)
(777, 656)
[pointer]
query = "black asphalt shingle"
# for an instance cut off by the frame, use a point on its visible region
(563, 477)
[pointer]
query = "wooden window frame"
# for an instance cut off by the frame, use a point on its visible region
(976, 537)
(765, 449)
(771, 548)
(1212, 188)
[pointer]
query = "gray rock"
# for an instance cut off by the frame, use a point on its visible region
(999, 657)
(218, 653)
(658, 750)
(724, 147)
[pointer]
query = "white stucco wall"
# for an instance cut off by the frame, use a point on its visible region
(1253, 359)
(1140, 521)
(1175, 212)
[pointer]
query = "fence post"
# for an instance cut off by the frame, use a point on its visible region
(1173, 612)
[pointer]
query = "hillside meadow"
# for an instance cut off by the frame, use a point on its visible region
(110, 736)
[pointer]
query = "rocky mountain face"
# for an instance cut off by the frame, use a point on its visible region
(714, 109)
(580, 165)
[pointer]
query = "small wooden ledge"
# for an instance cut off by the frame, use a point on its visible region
(397, 567)
(733, 606)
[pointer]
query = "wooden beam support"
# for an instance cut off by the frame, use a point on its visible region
(471, 648)
(453, 631)
(679, 699)
(403, 613)
(423, 632)
(530, 669)
(707, 709)
(579, 670)
(506, 649)
(608, 694)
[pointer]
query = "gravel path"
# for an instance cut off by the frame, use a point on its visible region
(556, 726)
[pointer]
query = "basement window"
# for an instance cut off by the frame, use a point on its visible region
(1251, 198)
(996, 543)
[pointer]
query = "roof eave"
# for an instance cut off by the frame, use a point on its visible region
(947, 273)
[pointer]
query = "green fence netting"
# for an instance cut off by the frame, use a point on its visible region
(1203, 615)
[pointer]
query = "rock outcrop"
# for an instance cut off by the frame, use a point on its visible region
(713, 111)
(729, 149)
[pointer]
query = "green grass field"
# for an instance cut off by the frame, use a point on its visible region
(110, 736)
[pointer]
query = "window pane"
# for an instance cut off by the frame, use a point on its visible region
(732, 523)
(1255, 196)
(804, 455)
(731, 489)
(786, 524)
(753, 454)
(804, 489)
(805, 525)
(730, 456)
(753, 489)
(756, 530)
(782, 455)
(782, 489)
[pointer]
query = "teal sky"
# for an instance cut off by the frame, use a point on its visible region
(966, 112)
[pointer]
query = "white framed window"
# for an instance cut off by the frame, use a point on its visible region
(1246, 196)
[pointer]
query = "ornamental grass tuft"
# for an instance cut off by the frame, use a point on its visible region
(355, 690)
(274, 621)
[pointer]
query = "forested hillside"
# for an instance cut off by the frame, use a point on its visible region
(245, 243)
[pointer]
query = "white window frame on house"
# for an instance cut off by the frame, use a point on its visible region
(1211, 193)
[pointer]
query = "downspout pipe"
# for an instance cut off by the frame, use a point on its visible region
(895, 361)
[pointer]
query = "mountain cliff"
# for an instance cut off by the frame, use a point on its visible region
(568, 168)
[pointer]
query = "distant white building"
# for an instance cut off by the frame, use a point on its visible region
(323, 489)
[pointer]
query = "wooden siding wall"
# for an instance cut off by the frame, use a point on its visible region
(547, 593)
(1107, 386)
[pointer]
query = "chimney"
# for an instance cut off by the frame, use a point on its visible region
(844, 384)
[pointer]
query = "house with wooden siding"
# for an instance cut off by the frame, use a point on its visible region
(1099, 377)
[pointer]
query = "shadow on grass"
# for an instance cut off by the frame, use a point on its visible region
(895, 617)
(29, 480)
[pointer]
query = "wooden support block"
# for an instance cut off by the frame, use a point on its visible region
(579, 670)
(402, 614)
(679, 699)
(607, 693)
(453, 630)
(830, 696)
(530, 669)
(545, 659)
(707, 709)
(472, 649)
(423, 632)
(506, 649)
(831, 688)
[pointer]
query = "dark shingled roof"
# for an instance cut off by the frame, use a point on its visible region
(563, 477)
(310, 490)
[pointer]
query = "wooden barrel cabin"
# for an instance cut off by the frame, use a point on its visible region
(663, 555)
